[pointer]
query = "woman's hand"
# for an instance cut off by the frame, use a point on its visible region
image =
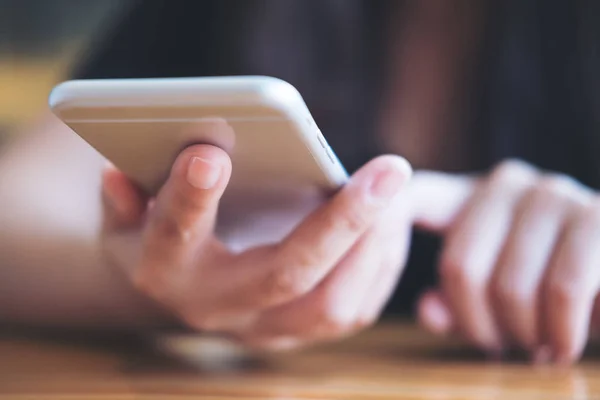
(520, 264)
(331, 276)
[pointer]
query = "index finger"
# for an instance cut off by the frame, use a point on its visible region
(436, 199)
(180, 225)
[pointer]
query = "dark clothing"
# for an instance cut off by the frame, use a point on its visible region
(536, 87)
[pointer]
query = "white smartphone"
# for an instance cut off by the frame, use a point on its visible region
(282, 164)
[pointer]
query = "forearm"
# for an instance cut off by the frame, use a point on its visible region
(52, 272)
(65, 283)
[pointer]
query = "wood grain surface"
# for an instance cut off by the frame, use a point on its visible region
(389, 362)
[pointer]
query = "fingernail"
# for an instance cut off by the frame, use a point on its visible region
(388, 182)
(203, 174)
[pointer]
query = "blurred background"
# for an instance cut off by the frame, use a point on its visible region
(38, 39)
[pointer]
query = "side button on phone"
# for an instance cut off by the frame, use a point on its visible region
(321, 139)
(325, 146)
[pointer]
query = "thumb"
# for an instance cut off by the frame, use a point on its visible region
(436, 199)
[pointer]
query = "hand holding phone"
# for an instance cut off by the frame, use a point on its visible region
(329, 277)
(323, 277)
(282, 164)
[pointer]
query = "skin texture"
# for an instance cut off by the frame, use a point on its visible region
(519, 264)
(81, 248)
(312, 285)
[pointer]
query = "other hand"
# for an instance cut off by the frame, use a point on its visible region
(520, 264)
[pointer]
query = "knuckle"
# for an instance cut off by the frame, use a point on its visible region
(172, 230)
(181, 221)
(284, 284)
(189, 201)
(561, 190)
(556, 184)
(178, 221)
(350, 218)
(511, 171)
(293, 256)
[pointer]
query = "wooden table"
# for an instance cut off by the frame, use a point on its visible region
(389, 362)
